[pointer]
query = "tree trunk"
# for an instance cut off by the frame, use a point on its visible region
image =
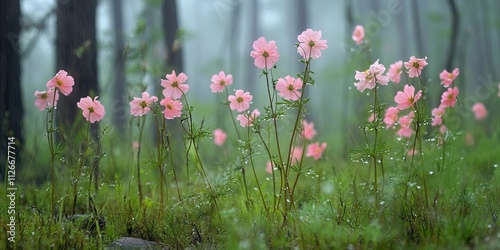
(120, 103)
(11, 108)
(76, 53)
(171, 28)
(173, 61)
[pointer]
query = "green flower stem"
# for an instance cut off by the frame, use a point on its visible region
(247, 197)
(281, 167)
(50, 138)
(192, 137)
(173, 167)
(272, 164)
(159, 153)
(253, 168)
(374, 152)
(139, 185)
(294, 132)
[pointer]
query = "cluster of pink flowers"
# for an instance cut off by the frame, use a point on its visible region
(314, 150)
(92, 109)
(174, 88)
(448, 98)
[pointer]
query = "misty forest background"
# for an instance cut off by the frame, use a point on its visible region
(106, 44)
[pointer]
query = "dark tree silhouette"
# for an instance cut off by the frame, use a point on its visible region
(11, 108)
(76, 53)
(120, 111)
(171, 29)
(455, 24)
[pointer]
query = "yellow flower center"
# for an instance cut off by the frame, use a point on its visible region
(175, 84)
(143, 104)
(91, 110)
(239, 99)
(222, 83)
(59, 82)
(290, 87)
(44, 96)
(311, 44)
(265, 54)
(416, 65)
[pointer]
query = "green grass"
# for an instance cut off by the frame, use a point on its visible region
(335, 204)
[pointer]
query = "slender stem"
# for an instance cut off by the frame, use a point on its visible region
(50, 138)
(374, 152)
(139, 184)
(159, 153)
(173, 167)
(272, 166)
(242, 169)
(231, 115)
(253, 168)
(193, 138)
(295, 129)
(282, 168)
(300, 169)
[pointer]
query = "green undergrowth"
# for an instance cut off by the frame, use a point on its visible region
(451, 203)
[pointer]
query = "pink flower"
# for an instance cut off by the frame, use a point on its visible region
(371, 117)
(288, 88)
(415, 66)
(62, 82)
(220, 81)
(308, 132)
(172, 108)
(174, 85)
(269, 167)
(412, 152)
(310, 45)
(443, 129)
(248, 119)
(449, 97)
(369, 78)
(447, 78)
(240, 101)
(92, 109)
(265, 54)
(437, 114)
(141, 106)
(407, 97)
(394, 72)
(296, 155)
(480, 111)
(315, 150)
(358, 34)
(219, 137)
(405, 126)
(391, 116)
(44, 99)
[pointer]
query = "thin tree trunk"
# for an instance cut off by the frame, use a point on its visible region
(11, 106)
(120, 104)
(249, 81)
(455, 24)
(76, 52)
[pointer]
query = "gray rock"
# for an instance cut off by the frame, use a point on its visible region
(135, 243)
